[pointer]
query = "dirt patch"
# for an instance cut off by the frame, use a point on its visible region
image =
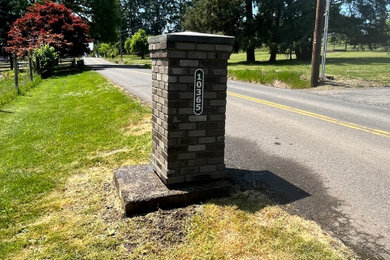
(280, 84)
(342, 83)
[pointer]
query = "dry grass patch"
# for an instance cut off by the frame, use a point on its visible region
(140, 127)
(84, 219)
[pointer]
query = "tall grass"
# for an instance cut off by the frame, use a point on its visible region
(291, 78)
(8, 90)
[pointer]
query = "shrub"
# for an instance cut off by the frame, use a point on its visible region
(108, 50)
(47, 58)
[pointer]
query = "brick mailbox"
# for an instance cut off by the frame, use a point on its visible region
(189, 72)
(189, 105)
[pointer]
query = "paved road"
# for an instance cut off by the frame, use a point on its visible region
(325, 155)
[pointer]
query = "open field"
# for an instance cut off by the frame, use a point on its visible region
(349, 69)
(58, 147)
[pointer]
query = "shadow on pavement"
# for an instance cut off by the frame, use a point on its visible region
(108, 66)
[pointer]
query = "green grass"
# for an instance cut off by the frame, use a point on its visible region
(372, 67)
(129, 59)
(56, 131)
(58, 147)
(8, 90)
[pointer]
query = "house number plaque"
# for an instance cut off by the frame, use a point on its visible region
(198, 91)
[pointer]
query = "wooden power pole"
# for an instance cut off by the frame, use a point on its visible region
(317, 38)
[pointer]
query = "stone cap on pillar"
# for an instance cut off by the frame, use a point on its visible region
(193, 37)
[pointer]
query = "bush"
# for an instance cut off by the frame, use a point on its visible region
(138, 44)
(108, 50)
(47, 58)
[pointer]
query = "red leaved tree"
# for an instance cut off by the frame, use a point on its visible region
(51, 24)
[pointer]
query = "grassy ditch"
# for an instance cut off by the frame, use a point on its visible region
(350, 69)
(8, 90)
(58, 147)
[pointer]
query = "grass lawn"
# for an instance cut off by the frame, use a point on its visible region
(8, 90)
(369, 68)
(58, 147)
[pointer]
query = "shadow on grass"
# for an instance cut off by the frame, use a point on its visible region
(247, 185)
(7, 112)
(283, 191)
(358, 60)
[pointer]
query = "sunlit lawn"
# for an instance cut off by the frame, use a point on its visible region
(366, 66)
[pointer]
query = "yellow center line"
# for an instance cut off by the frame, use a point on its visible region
(314, 115)
(140, 72)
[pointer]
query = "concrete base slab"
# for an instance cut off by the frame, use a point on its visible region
(141, 190)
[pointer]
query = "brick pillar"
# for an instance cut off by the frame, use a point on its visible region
(189, 106)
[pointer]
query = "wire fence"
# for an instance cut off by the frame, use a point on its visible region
(11, 85)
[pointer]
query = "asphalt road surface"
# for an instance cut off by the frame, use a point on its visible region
(324, 155)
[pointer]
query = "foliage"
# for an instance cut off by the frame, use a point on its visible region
(51, 24)
(47, 60)
(366, 22)
(6, 19)
(138, 44)
(105, 20)
(108, 50)
(10, 10)
(216, 16)
(154, 16)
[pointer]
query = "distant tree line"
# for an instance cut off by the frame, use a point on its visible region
(283, 26)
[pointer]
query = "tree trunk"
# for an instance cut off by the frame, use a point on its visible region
(273, 52)
(250, 55)
(346, 45)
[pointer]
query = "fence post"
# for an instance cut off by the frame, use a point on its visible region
(30, 68)
(11, 62)
(16, 69)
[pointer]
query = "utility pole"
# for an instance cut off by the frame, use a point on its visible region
(325, 40)
(317, 37)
